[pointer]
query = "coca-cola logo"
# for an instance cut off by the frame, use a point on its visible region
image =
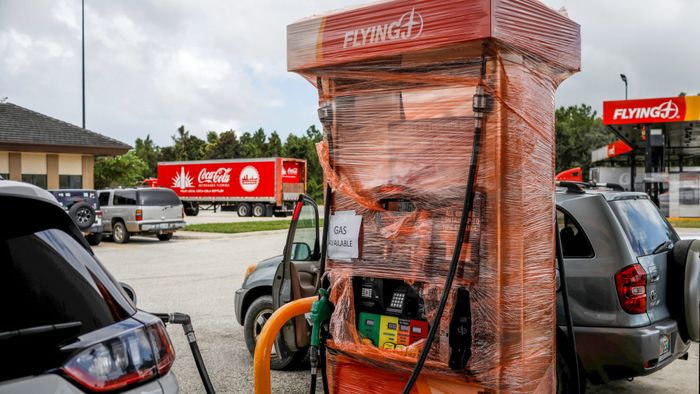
(249, 179)
(291, 171)
(221, 175)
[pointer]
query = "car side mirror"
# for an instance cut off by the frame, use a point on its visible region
(301, 251)
(129, 291)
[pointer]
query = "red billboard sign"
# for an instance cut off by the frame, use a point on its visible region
(654, 110)
(252, 179)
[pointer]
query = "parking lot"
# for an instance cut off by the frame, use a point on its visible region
(197, 273)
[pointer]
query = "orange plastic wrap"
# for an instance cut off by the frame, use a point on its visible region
(396, 81)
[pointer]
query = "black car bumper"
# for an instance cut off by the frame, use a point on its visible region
(616, 353)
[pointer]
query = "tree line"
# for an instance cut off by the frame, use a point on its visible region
(141, 162)
(579, 130)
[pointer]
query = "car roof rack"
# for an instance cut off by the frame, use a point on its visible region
(578, 187)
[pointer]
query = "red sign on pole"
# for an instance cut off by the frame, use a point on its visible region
(654, 110)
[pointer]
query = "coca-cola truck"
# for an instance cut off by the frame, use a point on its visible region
(251, 187)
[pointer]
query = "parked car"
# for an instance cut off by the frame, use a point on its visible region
(82, 207)
(632, 286)
(68, 326)
(156, 211)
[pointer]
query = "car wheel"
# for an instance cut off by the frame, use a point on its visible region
(94, 239)
(83, 215)
(257, 315)
(120, 234)
(243, 209)
(165, 237)
(258, 210)
(566, 380)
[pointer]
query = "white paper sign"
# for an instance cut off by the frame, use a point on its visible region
(343, 236)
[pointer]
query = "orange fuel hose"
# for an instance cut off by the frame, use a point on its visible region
(261, 362)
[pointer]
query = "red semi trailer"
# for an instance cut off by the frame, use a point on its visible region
(251, 187)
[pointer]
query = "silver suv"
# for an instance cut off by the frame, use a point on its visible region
(125, 212)
(632, 283)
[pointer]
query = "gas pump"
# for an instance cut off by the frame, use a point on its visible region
(438, 153)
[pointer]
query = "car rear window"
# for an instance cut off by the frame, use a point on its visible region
(158, 197)
(69, 197)
(48, 278)
(643, 224)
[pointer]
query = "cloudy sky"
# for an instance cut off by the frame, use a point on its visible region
(153, 65)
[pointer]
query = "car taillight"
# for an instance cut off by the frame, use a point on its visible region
(128, 359)
(98, 214)
(631, 284)
(139, 214)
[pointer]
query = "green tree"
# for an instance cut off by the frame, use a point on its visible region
(227, 146)
(124, 170)
(186, 146)
(578, 131)
(147, 151)
(253, 145)
(274, 145)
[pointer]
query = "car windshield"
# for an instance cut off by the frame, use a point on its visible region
(158, 197)
(69, 197)
(643, 224)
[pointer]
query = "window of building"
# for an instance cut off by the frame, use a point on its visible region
(574, 242)
(70, 181)
(4, 175)
(125, 197)
(35, 179)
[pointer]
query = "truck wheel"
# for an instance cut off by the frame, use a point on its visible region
(165, 237)
(257, 315)
(120, 234)
(259, 210)
(192, 209)
(94, 239)
(243, 209)
(684, 288)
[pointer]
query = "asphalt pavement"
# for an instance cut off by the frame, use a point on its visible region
(198, 273)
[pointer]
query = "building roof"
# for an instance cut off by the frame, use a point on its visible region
(22, 129)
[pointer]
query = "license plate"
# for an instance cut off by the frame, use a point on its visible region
(163, 225)
(664, 345)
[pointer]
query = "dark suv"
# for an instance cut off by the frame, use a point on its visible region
(82, 206)
(632, 283)
(67, 325)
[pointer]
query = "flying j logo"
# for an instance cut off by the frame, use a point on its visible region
(659, 110)
(407, 27)
(249, 179)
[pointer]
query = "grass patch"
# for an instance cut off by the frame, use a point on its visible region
(685, 222)
(240, 227)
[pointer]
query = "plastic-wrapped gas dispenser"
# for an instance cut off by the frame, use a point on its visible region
(397, 82)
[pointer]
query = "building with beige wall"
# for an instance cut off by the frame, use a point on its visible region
(50, 153)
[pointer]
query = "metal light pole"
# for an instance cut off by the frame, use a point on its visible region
(83, 61)
(624, 79)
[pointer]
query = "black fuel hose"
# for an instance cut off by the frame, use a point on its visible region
(186, 323)
(567, 310)
(479, 103)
